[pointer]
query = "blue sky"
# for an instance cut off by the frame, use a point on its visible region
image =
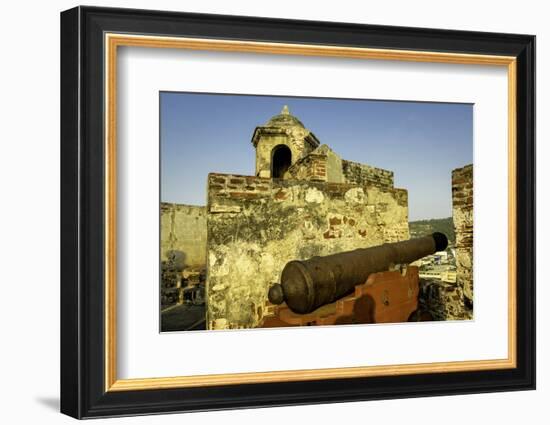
(420, 142)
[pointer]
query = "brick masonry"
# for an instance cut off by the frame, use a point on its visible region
(463, 219)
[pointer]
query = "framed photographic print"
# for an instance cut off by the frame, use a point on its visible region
(262, 212)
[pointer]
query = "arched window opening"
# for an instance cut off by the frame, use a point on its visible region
(280, 161)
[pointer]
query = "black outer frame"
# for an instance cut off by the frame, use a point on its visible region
(82, 212)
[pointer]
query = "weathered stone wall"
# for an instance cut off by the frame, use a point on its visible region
(443, 300)
(363, 174)
(323, 164)
(313, 167)
(256, 225)
(183, 234)
(463, 219)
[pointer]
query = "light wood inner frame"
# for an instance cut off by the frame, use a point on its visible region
(113, 41)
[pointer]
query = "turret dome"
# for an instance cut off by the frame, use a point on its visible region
(284, 119)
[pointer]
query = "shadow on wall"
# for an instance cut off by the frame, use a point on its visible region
(176, 259)
(170, 278)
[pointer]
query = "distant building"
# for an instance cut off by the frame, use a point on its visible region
(440, 257)
(443, 273)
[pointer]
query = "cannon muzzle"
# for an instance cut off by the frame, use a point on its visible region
(309, 284)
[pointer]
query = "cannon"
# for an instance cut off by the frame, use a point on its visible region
(310, 284)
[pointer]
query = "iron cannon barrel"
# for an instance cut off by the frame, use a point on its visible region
(309, 284)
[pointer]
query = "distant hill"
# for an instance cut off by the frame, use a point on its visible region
(425, 227)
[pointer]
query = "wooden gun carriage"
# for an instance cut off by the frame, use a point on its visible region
(369, 285)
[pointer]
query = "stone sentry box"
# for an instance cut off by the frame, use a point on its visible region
(303, 201)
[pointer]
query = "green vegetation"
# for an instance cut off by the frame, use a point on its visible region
(425, 227)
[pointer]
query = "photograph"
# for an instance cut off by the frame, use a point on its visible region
(277, 209)
(305, 211)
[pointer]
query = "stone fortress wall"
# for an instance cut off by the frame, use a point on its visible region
(182, 249)
(463, 218)
(183, 234)
(324, 165)
(256, 225)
